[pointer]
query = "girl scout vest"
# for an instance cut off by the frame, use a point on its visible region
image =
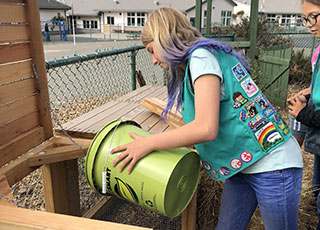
(249, 127)
(315, 84)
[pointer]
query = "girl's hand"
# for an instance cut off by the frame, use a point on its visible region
(132, 152)
(296, 104)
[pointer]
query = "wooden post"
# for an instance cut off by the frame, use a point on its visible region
(6, 191)
(61, 187)
(37, 53)
(209, 13)
(253, 29)
(188, 220)
(198, 14)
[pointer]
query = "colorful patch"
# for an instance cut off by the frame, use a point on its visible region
(236, 163)
(280, 123)
(214, 174)
(268, 136)
(264, 105)
(243, 115)
(206, 165)
(249, 87)
(246, 156)
(224, 171)
(239, 72)
(257, 122)
(239, 100)
(251, 108)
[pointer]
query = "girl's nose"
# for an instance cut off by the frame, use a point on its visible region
(154, 60)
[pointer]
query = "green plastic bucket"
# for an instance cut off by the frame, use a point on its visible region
(163, 181)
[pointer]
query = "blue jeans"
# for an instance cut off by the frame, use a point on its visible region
(277, 194)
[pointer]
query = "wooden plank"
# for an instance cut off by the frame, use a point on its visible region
(134, 93)
(188, 218)
(14, 33)
(55, 155)
(20, 89)
(14, 52)
(12, 13)
(63, 141)
(100, 208)
(19, 168)
(152, 92)
(8, 225)
(15, 71)
(156, 106)
(5, 190)
(15, 110)
(52, 221)
(20, 145)
(33, 19)
(18, 127)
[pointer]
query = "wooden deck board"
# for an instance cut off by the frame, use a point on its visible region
(126, 107)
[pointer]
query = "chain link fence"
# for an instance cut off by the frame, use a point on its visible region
(77, 85)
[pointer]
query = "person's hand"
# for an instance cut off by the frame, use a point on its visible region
(132, 152)
(296, 104)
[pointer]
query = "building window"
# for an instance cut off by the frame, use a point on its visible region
(205, 18)
(286, 19)
(94, 24)
(110, 20)
(226, 18)
(271, 17)
(86, 24)
(193, 21)
(140, 19)
(131, 19)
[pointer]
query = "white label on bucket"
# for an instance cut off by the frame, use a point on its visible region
(104, 182)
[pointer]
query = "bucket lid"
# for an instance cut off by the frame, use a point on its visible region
(95, 145)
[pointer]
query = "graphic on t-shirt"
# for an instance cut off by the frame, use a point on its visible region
(265, 105)
(251, 108)
(239, 100)
(225, 171)
(257, 122)
(249, 87)
(239, 72)
(246, 156)
(268, 136)
(214, 174)
(243, 115)
(236, 163)
(206, 165)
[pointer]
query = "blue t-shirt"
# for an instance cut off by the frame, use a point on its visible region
(287, 155)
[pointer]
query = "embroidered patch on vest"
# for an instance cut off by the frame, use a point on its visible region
(249, 87)
(268, 136)
(257, 122)
(264, 105)
(239, 72)
(243, 115)
(246, 156)
(239, 100)
(206, 165)
(280, 123)
(251, 108)
(236, 163)
(214, 174)
(224, 171)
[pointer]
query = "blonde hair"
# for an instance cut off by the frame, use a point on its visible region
(170, 30)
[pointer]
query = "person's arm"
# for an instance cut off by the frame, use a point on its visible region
(203, 128)
(305, 114)
(309, 117)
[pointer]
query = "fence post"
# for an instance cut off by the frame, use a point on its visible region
(133, 69)
(312, 46)
(253, 29)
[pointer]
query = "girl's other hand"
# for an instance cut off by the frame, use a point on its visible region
(132, 152)
(296, 104)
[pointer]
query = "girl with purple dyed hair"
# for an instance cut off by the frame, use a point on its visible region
(237, 132)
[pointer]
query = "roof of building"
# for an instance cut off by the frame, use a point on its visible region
(53, 5)
(233, 3)
(85, 7)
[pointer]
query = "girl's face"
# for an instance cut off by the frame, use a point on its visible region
(311, 14)
(157, 58)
